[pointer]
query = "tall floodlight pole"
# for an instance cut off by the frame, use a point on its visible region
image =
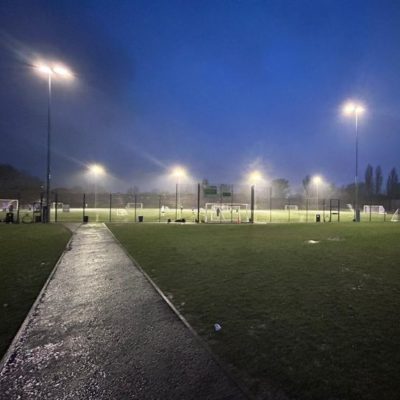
(354, 109)
(97, 170)
(64, 73)
(178, 173)
(254, 178)
(48, 171)
(317, 180)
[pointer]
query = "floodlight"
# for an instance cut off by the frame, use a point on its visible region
(178, 172)
(44, 69)
(360, 109)
(255, 177)
(351, 108)
(317, 179)
(54, 70)
(97, 169)
(63, 71)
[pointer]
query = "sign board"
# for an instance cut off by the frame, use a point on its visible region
(226, 190)
(210, 190)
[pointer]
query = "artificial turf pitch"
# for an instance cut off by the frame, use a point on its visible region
(28, 254)
(307, 320)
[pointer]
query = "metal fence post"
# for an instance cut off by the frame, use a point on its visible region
(252, 204)
(307, 209)
(270, 204)
(56, 207)
(135, 208)
(159, 209)
(109, 216)
(19, 205)
(42, 216)
(83, 207)
(198, 203)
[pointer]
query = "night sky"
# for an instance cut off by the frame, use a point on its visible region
(219, 87)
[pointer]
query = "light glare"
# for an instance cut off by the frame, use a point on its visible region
(54, 70)
(97, 169)
(44, 69)
(64, 72)
(255, 177)
(178, 172)
(317, 179)
(353, 108)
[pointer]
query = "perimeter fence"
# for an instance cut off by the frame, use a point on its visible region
(196, 203)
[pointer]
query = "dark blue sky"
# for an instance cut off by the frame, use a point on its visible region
(217, 86)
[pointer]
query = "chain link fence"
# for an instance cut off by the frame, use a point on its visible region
(211, 203)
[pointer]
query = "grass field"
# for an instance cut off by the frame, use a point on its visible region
(28, 254)
(307, 320)
(154, 215)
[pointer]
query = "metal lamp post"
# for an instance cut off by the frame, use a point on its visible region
(354, 109)
(254, 177)
(317, 180)
(96, 170)
(178, 173)
(63, 73)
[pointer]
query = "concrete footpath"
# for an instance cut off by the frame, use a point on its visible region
(101, 331)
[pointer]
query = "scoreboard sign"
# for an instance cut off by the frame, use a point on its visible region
(210, 191)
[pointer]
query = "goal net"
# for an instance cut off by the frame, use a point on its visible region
(374, 209)
(9, 205)
(132, 205)
(226, 212)
(291, 207)
(395, 217)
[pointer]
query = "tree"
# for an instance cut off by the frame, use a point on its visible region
(14, 179)
(378, 180)
(306, 184)
(369, 181)
(280, 188)
(392, 184)
(133, 190)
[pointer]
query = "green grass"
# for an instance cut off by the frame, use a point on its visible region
(28, 255)
(316, 321)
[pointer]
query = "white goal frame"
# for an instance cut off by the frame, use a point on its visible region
(374, 209)
(226, 212)
(291, 207)
(131, 206)
(395, 216)
(6, 203)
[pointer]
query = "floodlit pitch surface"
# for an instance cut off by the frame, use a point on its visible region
(28, 255)
(315, 320)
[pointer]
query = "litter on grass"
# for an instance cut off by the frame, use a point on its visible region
(312, 241)
(217, 327)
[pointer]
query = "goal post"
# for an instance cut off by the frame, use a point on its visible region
(395, 216)
(374, 209)
(226, 212)
(8, 208)
(132, 205)
(9, 205)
